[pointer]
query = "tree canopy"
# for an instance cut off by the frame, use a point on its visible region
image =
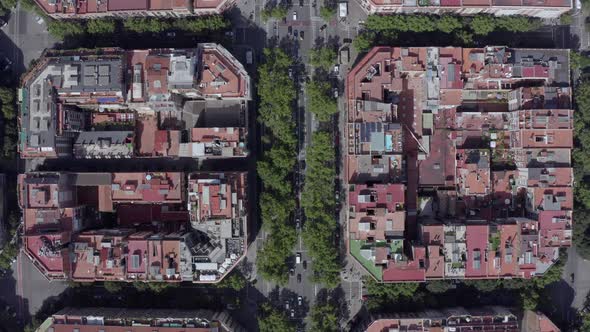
(321, 100)
(317, 200)
(323, 57)
(324, 318)
(388, 29)
(101, 26)
(277, 94)
(270, 320)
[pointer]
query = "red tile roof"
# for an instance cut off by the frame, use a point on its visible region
(116, 5)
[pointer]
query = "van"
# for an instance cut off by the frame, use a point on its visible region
(298, 258)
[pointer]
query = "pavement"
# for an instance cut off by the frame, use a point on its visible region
(27, 290)
(25, 39)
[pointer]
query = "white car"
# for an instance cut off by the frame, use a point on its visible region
(294, 16)
(39, 19)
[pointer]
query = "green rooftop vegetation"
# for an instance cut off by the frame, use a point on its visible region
(355, 250)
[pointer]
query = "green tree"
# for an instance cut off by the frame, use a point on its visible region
(382, 293)
(327, 12)
(143, 25)
(364, 41)
(201, 23)
(235, 281)
(578, 60)
(483, 24)
(141, 286)
(277, 12)
(581, 233)
(273, 321)
(517, 23)
(321, 102)
(566, 19)
(323, 57)
(439, 286)
(7, 103)
(448, 23)
(64, 29)
(484, 286)
(101, 26)
(159, 287)
(113, 286)
(324, 318)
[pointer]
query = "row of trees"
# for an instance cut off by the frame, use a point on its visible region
(318, 202)
(581, 156)
(277, 94)
(62, 29)
(8, 111)
(387, 29)
(526, 293)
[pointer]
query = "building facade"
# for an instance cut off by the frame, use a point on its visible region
(541, 9)
(88, 9)
(138, 320)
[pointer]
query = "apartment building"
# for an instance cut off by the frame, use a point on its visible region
(88, 9)
(162, 232)
(138, 320)
(539, 8)
(113, 103)
(458, 162)
(490, 318)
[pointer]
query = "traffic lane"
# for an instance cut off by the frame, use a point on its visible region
(300, 284)
(33, 288)
(29, 37)
(580, 268)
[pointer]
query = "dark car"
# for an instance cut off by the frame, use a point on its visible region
(295, 33)
(300, 3)
(290, 29)
(3, 23)
(323, 27)
(347, 40)
(301, 35)
(299, 277)
(305, 265)
(292, 272)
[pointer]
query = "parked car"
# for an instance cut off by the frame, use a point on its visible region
(171, 34)
(290, 29)
(290, 73)
(39, 19)
(299, 278)
(336, 69)
(3, 23)
(300, 300)
(295, 33)
(298, 258)
(336, 96)
(323, 27)
(292, 313)
(287, 304)
(300, 3)
(305, 265)
(294, 16)
(292, 272)
(301, 35)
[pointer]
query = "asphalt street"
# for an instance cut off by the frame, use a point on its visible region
(24, 39)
